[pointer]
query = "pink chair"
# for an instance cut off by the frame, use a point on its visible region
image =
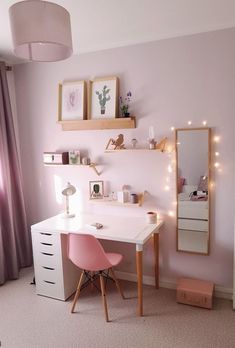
(86, 252)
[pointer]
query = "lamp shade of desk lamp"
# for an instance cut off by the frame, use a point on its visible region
(68, 191)
(41, 31)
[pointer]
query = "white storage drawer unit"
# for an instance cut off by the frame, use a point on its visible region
(55, 275)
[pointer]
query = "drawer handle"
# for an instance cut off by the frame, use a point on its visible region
(48, 254)
(49, 244)
(46, 234)
(48, 281)
(50, 268)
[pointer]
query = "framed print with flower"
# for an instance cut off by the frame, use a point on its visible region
(72, 96)
(96, 189)
(103, 98)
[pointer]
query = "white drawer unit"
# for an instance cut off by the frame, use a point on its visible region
(55, 275)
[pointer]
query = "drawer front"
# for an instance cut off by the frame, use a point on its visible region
(49, 288)
(193, 225)
(46, 242)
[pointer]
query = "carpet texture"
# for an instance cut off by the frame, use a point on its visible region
(31, 321)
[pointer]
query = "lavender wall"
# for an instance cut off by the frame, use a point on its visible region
(172, 81)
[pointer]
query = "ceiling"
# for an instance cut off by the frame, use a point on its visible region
(103, 24)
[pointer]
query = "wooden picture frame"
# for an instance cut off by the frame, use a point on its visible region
(72, 101)
(96, 189)
(103, 98)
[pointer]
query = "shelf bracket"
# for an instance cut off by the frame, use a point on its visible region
(93, 166)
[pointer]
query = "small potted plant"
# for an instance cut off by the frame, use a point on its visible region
(124, 104)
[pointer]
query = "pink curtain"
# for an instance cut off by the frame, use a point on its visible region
(15, 243)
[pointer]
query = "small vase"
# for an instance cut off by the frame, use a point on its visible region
(126, 114)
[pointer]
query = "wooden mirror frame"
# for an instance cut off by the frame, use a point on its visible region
(209, 187)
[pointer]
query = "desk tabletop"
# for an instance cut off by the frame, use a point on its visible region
(116, 228)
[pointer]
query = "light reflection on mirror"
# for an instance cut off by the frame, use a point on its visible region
(193, 197)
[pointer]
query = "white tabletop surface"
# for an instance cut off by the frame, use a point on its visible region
(117, 228)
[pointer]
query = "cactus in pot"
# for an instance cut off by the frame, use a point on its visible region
(103, 98)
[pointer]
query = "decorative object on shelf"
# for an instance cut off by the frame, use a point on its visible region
(74, 157)
(56, 158)
(152, 142)
(161, 145)
(151, 217)
(72, 101)
(68, 191)
(117, 143)
(133, 198)
(124, 104)
(41, 31)
(123, 196)
(96, 189)
(134, 143)
(86, 161)
(102, 98)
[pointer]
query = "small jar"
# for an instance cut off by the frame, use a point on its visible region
(133, 198)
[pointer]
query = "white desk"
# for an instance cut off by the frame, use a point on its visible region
(56, 276)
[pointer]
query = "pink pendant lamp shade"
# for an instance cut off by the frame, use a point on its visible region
(41, 31)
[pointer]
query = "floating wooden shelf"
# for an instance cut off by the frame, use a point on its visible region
(134, 150)
(116, 203)
(92, 165)
(113, 123)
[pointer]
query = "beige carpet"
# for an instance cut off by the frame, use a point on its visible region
(30, 321)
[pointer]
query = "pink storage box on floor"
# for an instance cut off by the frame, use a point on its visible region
(195, 292)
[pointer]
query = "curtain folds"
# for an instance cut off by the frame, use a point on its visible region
(15, 243)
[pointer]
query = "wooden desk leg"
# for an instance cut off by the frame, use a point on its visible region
(139, 269)
(156, 258)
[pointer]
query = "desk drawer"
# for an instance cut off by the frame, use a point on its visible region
(50, 288)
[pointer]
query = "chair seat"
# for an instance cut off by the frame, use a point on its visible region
(114, 258)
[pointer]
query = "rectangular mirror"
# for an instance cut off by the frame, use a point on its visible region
(193, 196)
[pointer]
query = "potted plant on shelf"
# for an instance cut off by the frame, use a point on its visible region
(124, 104)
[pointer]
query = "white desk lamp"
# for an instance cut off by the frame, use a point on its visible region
(68, 191)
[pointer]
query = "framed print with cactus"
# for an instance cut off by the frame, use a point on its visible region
(72, 97)
(96, 189)
(103, 98)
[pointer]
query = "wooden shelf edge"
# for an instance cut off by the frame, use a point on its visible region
(99, 124)
(133, 150)
(116, 203)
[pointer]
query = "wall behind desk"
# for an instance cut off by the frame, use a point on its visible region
(172, 81)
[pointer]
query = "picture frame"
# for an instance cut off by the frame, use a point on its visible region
(72, 101)
(103, 98)
(74, 157)
(96, 189)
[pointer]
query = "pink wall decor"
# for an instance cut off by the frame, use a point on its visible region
(172, 81)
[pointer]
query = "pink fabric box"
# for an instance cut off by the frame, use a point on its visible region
(195, 292)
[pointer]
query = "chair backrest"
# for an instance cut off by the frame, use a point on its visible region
(86, 252)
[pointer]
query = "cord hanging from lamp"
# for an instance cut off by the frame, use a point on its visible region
(41, 31)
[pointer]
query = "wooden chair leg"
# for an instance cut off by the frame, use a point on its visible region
(117, 283)
(104, 297)
(77, 292)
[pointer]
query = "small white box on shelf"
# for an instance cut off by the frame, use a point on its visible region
(74, 157)
(122, 196)
(56, 157)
